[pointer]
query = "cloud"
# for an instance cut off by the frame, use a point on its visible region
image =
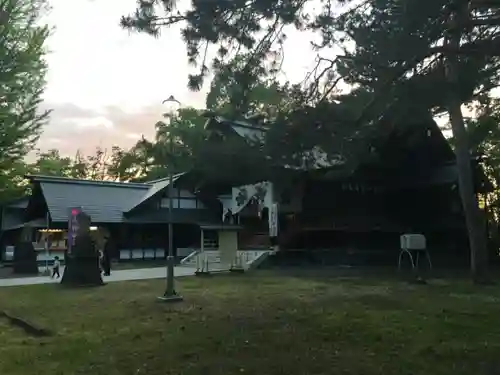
(134, 136)
(91, 122)
(73, 128)
(55, 141)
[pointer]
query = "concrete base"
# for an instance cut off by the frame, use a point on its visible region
(237, 270)
(202, 273)
(174, 298)
(82, 271)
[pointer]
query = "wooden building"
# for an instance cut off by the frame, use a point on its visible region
(404, 181)
(135, 215)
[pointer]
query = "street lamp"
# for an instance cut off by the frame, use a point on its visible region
(170, 294)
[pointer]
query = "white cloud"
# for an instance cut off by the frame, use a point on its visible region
(91, 122)
(72, 127)
(95, 63)
(55, 141)
(133, 136)
(104, 79)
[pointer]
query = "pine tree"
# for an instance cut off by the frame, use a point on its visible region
(403, 54)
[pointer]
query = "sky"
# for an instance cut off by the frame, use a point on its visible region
(105, 85)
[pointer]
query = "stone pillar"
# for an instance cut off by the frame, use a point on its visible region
(83, 269)
(25, 261)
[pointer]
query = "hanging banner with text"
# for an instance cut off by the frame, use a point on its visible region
(273, 220)
(72, 226)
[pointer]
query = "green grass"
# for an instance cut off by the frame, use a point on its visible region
(256, 324)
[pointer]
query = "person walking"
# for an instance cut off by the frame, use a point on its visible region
(55, 268)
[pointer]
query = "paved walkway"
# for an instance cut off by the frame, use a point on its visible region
(121, 275)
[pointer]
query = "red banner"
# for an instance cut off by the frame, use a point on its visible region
(72, 226)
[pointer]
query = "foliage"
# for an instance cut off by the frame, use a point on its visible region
(102, 165)
(409, 56)
(400, 48)
(231, 25)
(119, 165)
(13, 185)
(51, 163)
(237, 91)
(392, 51)
(22, 77)
(484, 132)
(484, 138)
(178, 139)
(444, 54)
(189, 148)
(450, 41)
(394, 47)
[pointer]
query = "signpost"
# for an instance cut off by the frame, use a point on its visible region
(72, 226)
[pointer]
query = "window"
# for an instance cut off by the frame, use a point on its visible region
(186, 194)
(187, 203)
(164, 203)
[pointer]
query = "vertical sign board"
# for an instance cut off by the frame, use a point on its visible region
(273, 220)
(72, 226)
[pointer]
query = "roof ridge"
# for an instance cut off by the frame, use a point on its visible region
(79, 181)
(245, 123)
(174, 176)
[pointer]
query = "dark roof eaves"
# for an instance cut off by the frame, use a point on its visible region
(15, 203)
(175, 178)
(54, 179)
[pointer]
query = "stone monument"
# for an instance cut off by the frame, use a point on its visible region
(24, 261)
(82, 264)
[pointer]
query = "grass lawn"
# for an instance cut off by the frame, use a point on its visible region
(260, 323)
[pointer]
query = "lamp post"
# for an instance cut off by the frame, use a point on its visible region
(170, 294)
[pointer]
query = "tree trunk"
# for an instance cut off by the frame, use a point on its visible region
(477, 240)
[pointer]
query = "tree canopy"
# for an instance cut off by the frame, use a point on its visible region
(22, 81)
(404, 57)
(382, 42)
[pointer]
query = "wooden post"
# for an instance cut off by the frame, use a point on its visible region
(202, 248)
(202, 240)
(200, 258)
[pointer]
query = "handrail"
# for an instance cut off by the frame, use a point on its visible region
(211, 261)
(191, 255)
